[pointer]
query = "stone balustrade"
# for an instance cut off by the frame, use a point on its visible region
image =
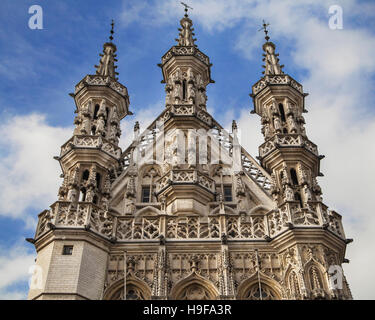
(282, 79)
(185, 51)
(85, 215)
(99, 80)
(185, 177)
(89, 141)
(287, 140)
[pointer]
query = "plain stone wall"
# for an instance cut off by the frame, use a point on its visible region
(77, 276)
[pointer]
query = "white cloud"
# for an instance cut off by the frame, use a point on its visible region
(30, 175)
(15, 263)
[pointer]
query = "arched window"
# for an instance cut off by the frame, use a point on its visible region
(85, 175)
(293, 175)
(96, 110)
(265, 292)
(184, 89)
(282, 113)
(98, 177)
(107, 115)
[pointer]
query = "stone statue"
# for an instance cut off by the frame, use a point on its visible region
(277, 124)
(191, 93)
(177, 93)
(100, 126)
(288, 193)
(292, 124)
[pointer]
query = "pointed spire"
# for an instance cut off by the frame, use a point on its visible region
(272, 66)
(186, 32)
(106, 65)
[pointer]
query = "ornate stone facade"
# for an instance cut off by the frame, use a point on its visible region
(185, 212)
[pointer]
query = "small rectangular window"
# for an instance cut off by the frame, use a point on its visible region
(145, 194)
(67, 250)
(228, 194)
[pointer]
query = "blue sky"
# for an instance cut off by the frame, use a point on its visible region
(39, 68)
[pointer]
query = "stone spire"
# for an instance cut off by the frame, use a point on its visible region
(106, 65)
(186, 32)
(272, 66)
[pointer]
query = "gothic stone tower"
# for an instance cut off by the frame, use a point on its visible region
(185, 212)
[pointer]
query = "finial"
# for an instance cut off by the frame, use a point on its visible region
(186, 8)
(264, 28)
(112, 31)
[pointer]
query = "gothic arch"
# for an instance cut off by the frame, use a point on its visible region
(136, 288)
(293, 285)
(149, 209)
(249, 289)
(226, 208)
(316, 278)
(259, 208)
(194, 287)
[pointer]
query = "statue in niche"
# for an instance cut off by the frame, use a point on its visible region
(168, 100)
(113, 134)
(288, 194)
(86, 109)
(102, 110)
(86, 125)
(266, 130)
(78, 123)
(307, 193)
(199, 81)
(289, 108)
(177, 93)
(277, 124)
(89, 195)
(114, 117)
(72, 195)
(100, 126)
(177, 76)
(191, 93)
(292, 124)
(274, 109)
(190, 75)
(303, 174)
(105, 203)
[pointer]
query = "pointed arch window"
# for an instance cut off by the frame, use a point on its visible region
(282, 113)
(85, 175)
(184, 88)
(98, 178)
(96, 110)
(293, 175)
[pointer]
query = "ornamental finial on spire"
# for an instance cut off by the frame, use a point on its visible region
(112, 31)
(272, 66)
(106, 65)
(186, 32)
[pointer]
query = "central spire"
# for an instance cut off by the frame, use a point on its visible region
(186, 32)
(272, 66)
(106, 65)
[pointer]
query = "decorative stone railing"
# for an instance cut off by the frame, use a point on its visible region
(283, 79)
(85, 215)
(287, 140)
(99, 80)
(185, 177)
(188, 110)
(185, 51)
(92, 142)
